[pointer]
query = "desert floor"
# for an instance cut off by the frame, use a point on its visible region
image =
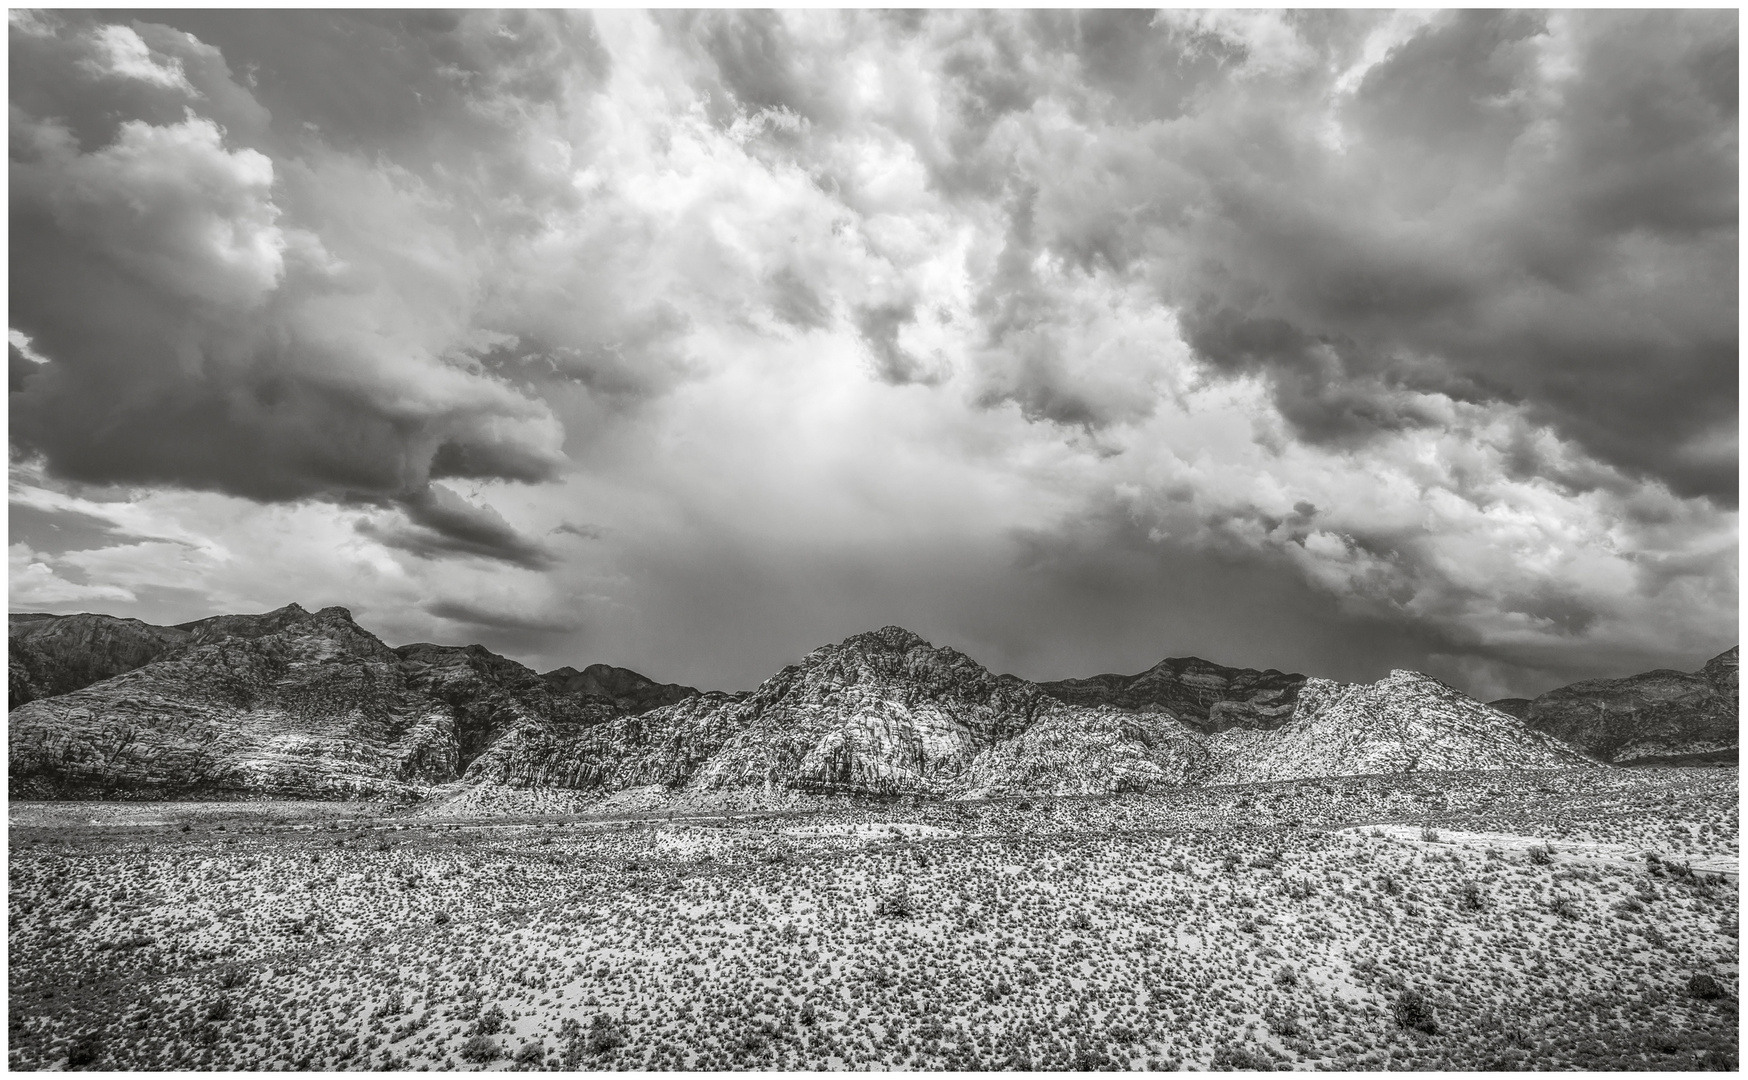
(1531, 920)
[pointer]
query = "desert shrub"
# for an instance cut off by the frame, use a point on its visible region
(604, 1034)
(1564, 907)
(1229, 1058)
(84, 1050)
(897, 904)
(481, 1049)
(1704, 987)
(1471, 899)
(1539, 855)
(531, 1053)
(491, 1021)
(1411, 1010)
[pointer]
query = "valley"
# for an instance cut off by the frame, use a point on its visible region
(1429, 920)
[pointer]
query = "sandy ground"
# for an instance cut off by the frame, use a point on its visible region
(1269, 925)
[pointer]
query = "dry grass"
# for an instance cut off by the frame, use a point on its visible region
(1225, 928)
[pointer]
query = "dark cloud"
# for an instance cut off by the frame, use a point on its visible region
(198, 336)
(894, 364)
(796, 302)
(475, 615)
(55, 531)
(441, 524)
(1503, 210)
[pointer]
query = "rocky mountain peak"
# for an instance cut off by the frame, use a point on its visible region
(1656, 717)
(626, 688)
(894, 640)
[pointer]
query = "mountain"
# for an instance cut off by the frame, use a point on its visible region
(887, 713)
(302, 704)
(1206, 696)
(1404, 722)
(1659, 717)
(289, 704)
(56, 654)
(626, 688)
(881, 713)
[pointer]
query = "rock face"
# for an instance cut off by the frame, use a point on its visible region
(624, 687)
(1405, 722)
(57, 654)
(292, 704)
(299, 704)
(887, 713)
(1206, 696)
(1659, 717)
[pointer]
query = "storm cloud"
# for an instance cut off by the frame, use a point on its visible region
(1329, 340)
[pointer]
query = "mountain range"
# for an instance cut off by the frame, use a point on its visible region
(300, 704)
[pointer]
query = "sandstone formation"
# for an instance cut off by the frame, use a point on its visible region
(290, 703)
(299, 704)
(1404, 722)
(1659, 717)
(1206, 696)
(57, 654)
(625, 687)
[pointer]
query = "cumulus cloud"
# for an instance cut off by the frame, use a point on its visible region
(1340, 340)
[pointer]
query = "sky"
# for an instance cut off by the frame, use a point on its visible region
(1333, 342)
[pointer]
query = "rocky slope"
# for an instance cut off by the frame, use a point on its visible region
(624, 687)
(1206, 696)
(882, 713)
(290, 703)
(300, 704)
(1404, 722)
(887, 713)
(57, 654)
(1659, 717)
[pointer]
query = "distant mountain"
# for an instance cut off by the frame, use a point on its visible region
(881, 713)
(887, 713)
(1404, 722)
(293, 703)
(626, 688)
(57, 654)
(1659, 717)
(1206, 696)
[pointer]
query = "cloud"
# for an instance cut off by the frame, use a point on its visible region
(32, 583)
(472, 615)
(1061, 335)
(440, 523)
(200, 339)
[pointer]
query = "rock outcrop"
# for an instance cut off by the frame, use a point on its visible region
(57, 654)
(299, 704)
(1404, 722)
(623, 686)
(1658, 718)
(1206, 696)
(290, 704)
